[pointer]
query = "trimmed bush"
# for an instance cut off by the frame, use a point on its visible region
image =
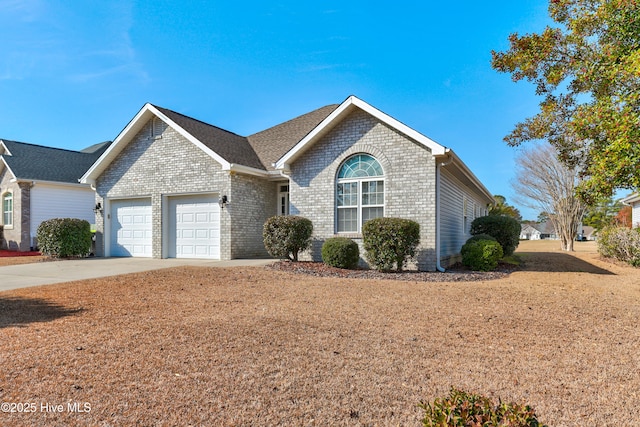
(481, 255)
(390, 241)
(64, 237)
(620, 243)
(340, 252)
(462, 409)
(505, 229)
(481, 237)
(1, 236)
(286, 236)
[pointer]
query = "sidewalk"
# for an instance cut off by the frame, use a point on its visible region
(46, 273)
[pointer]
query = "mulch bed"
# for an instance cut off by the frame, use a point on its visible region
(457, 273)
(6, 253)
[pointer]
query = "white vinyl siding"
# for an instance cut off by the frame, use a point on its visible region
(60, 201)
(635, 215)
(458, 209)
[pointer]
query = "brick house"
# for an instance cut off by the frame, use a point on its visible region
(39, 183)
(173, 186)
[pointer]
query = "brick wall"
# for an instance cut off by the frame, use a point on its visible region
(157, 167)
(409, 170)
(17, 236)
(252, 201)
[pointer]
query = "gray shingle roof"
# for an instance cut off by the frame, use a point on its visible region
(231, 147)
(259, 150)
(36, 162)
(271, 144)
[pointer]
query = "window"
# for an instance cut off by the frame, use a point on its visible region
(7, 209)
(283, 200)
(359, 193)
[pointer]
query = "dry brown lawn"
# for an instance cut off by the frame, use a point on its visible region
(257, 347)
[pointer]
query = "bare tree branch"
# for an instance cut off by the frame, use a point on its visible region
(543, 182)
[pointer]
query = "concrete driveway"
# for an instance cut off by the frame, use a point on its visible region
(46, 273)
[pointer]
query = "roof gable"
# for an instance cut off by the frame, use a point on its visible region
(39, 163)
(336, 117)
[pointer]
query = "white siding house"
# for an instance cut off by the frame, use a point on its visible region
(39, 183)
(634, 201)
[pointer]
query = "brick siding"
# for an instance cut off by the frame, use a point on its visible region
(409, 173)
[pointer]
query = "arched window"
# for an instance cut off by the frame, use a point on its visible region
(359, 193)
(7, 209)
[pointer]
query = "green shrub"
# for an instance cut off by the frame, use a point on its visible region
(390, 241)
(481, 237)
(481, 255)
(287, 236)
(340, 252)
(64, 237)
(620, 243)
(505, 229)
(462, 409)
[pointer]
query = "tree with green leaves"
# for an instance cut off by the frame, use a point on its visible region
(602, 213)
(587, 69)
(503, 208)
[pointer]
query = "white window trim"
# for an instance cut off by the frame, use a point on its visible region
(13, 209)
(359, 206)
(282, 194)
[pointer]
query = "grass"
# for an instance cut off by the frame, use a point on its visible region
(250, 346)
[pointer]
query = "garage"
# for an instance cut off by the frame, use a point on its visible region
(194, 227)
(131, 228)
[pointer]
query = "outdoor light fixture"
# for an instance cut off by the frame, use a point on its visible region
(224, 201)
(98, 207)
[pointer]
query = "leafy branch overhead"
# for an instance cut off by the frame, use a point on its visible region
(587, 69)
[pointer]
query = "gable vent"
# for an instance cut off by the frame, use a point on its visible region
(157, 127)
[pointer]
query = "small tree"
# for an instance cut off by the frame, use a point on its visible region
(286, 236)
(389, 241)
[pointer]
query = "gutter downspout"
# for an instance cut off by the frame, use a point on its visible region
(439, 165)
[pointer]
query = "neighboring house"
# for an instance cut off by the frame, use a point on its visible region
(538, 231)
(634, 201)
(529, 232)
(173, 186)
(547, 230)
(39, 183)
(586, 232)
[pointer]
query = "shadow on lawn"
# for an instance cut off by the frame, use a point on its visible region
(16, 311)
(556, 262)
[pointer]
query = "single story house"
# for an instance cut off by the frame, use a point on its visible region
(529, 232)
(39, 183)
(174, 186)
(633, 200)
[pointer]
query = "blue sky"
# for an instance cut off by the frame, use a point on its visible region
(73, 73)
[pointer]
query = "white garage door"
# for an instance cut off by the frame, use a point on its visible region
(194, 227)
(131, 227)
